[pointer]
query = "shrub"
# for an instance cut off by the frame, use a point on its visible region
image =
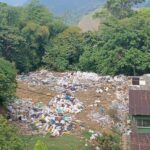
(7, 80)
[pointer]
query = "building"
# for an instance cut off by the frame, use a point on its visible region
(139, 112)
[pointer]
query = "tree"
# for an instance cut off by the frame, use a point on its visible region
(25, 32)
(64, 51)
(7, 81)
(12, 46)
(124, 45)
(121, 8)
(9, 16)
(87, 61)
(136, 61)
(9, 138)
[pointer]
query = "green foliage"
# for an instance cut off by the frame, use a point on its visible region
(87, 61)
(121, 8)
(119, 47)
(110, 141)
(12, 47)
(32, 37)
(24, 33)
(7, 81)
(124, 45)
(40, 146)
(64, 51)
(9, 139)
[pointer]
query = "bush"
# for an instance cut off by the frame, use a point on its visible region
(9, 139)
(110, 141)
(40, 146)
(7, 80)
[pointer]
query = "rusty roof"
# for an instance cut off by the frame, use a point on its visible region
(140, 141)
(139, 102)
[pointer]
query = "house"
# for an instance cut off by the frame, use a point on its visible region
(139, 112)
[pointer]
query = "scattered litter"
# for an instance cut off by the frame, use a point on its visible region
(54, 118)
(58, 116)
(103, 120)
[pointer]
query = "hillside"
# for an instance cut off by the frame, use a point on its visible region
(72, 10)
(88, 23)
(63, 6)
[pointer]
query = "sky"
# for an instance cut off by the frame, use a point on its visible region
(14, 2)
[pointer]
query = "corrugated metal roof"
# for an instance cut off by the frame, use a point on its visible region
(139, 102)
(140, 141)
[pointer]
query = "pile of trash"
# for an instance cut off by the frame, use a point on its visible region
(103, 120)
(54, 118)
(66, 104)
(111, 89)
(73, 81)
(69, 81)
(42, 77)
(119, 103)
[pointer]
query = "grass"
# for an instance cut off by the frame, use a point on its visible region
(68, 142)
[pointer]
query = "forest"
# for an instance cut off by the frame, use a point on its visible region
(32, 37)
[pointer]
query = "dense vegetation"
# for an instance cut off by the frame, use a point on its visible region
(32, 37)
(119, 47)
(122, 9)
(9, 138)
(24, 32)
(71, 10)
(7, 80)
(123, 45)
(111, 141)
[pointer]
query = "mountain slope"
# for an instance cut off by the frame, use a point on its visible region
(72, 10)
(61, 6)
(88, 23)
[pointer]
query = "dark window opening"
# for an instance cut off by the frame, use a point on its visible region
(135, 80)
(143, 123)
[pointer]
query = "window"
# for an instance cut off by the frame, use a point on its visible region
(143, 123)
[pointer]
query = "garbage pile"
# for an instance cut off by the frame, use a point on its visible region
(73, 81)
(42, 77)
(103, 120)
(112, 98)
(66, 104)
(110, 92)
(54, 118)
